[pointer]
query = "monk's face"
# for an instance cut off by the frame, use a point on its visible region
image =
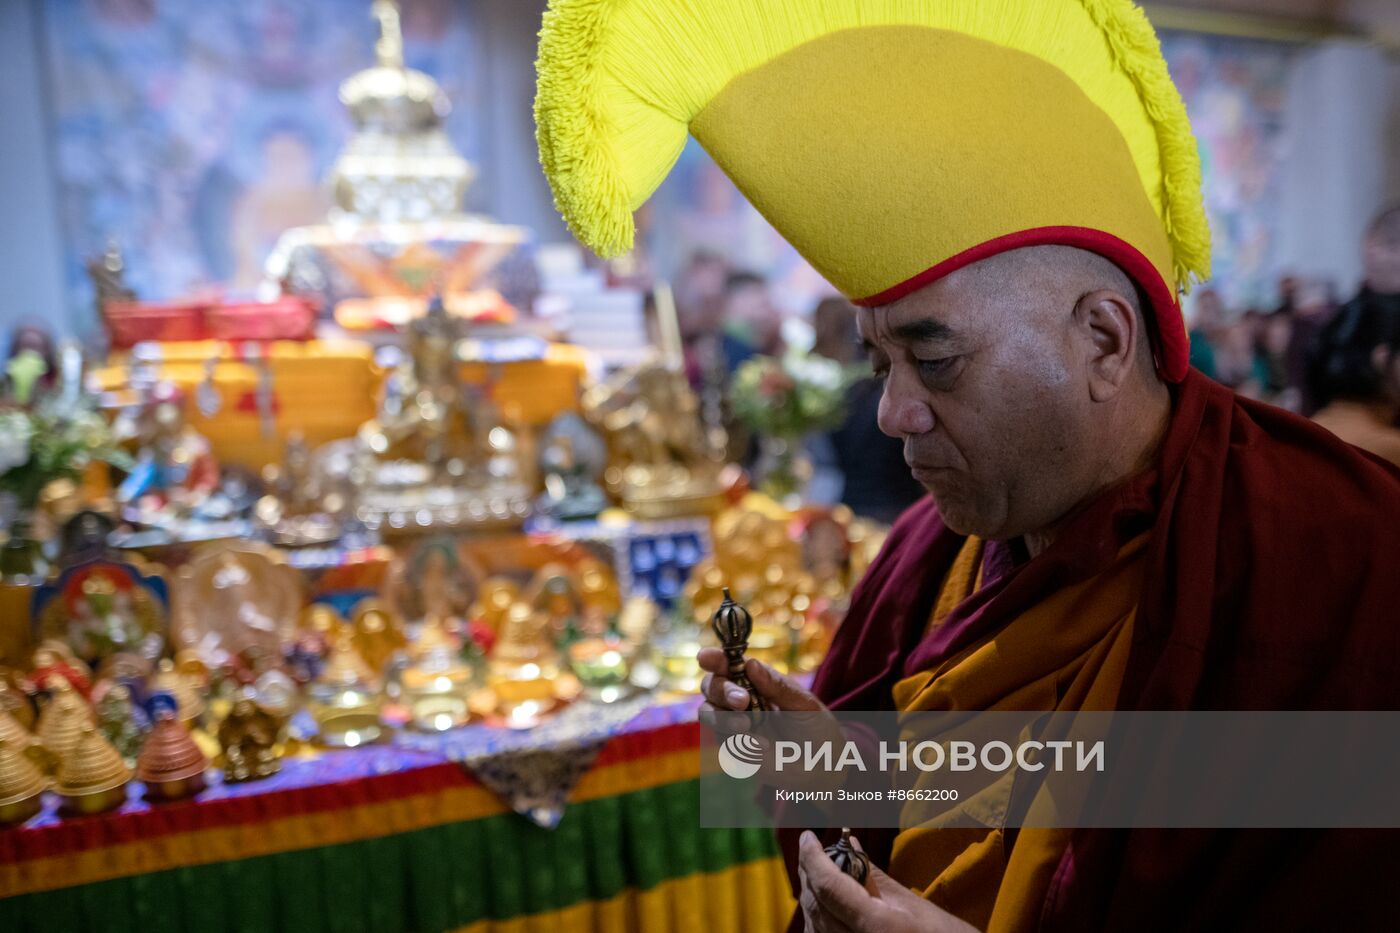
(985, 382)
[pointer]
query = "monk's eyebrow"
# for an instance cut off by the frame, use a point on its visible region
(923, 330)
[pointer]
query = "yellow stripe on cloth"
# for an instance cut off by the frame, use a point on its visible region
(750, 897)
(332, 827)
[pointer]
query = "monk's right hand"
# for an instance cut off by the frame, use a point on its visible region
(807, 718)
(779, 691)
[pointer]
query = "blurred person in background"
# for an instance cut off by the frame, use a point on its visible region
(699, 297)
(1313, 307)
(1272, 343)
(1236, 363)
(876, 482)
(751, 323)
(1371, 319)
(1206, 324)
(1365, 404)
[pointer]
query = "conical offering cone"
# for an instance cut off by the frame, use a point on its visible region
(62, 722)
(12, 732)
(92, 777)
(21, 783)
(171, 764)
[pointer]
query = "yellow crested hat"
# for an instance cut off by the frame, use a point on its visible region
(890, 141)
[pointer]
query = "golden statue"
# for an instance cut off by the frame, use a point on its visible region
(438, 456)
(248, 736)
(660, 463)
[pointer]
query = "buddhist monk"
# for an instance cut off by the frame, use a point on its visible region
(1011, 193)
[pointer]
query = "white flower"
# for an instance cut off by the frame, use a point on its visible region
(16, 431)
(816, 371)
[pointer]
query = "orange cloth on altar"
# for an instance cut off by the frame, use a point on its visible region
(1067, 653)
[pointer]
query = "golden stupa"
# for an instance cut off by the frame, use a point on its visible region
(21, 783)
(397, 234)
(92, 777)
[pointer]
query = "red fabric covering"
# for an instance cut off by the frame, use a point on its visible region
(1273, 583)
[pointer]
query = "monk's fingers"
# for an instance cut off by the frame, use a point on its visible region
(780, 690)
(874, 878)
(835, 894)
(815, 918)
(712, 660)
(723, 692)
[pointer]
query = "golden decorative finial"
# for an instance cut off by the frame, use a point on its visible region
(388, 50)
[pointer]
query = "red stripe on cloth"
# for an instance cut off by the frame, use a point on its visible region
(1171, 345)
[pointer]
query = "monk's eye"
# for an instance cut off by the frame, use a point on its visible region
(937, 373)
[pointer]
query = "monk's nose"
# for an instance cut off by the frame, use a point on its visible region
(903, 412)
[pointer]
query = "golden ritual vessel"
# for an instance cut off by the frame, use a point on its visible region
(345, 700)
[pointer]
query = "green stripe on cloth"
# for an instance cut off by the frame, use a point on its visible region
(421, 882)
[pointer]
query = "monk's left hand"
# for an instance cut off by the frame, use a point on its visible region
(832, 902)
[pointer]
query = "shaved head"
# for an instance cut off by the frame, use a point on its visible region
(1021, 386)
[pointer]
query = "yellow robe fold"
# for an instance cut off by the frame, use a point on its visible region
(1068, 653)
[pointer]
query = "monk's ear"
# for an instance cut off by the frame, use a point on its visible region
(1111, 330)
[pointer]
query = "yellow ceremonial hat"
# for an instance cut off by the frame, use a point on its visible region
(890, 141)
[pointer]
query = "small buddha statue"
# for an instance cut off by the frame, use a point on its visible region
(598, 587)
(659, 459)
(180, 686)
(554, 593)
(248, 737)
(438, 455)
(494, 599)
(119, 723)
(295, 511)
(108, 275)
(526, 639)
(52, 659)
(174, 462)
(379, 634)
(525, 669)
(104, 618)
(571, 491)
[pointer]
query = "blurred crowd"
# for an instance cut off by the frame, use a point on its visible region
(1337, 362)
(1334, 359)
(728, 316)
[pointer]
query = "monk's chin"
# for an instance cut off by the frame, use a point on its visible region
(961, 516)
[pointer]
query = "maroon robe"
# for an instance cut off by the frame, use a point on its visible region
(1273, 582)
